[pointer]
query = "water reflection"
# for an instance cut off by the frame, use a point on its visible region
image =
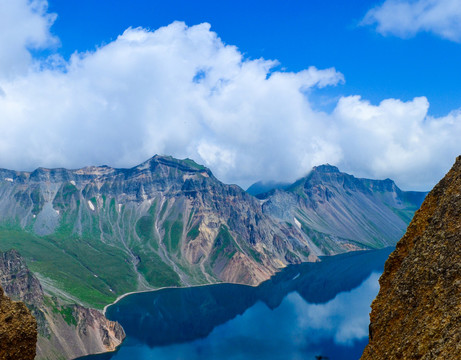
(305, 311)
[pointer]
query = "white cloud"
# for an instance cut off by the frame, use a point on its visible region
(405, 18)
(181, 91)
(343, 317)
(24, 25)
(397, 139)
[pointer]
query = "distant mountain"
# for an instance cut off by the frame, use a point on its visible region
(417, 313)
(260, 188)
(95, 233)
(340, 212)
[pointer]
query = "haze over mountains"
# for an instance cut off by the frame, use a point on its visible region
(95, 233)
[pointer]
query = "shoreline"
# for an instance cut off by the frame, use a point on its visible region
(166, 287)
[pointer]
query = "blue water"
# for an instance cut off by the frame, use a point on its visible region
(305, 312)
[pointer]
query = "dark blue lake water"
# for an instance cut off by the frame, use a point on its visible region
(308, 311)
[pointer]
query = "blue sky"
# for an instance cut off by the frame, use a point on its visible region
(297, 33)
(369, 86)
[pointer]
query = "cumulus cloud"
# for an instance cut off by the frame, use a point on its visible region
(24, 25)
(182, 91)
(405, 18)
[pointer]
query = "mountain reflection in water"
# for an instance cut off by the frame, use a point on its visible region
(305, 311)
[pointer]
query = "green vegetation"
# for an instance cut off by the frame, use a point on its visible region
(67, 313)
(224, 246)
(155, 271)
(145, 228)
(405, 214)
(163, 210)
(173, 234)
(37, 200)
(85, 268)
(194, 232)
(176, 234)
(191, 163)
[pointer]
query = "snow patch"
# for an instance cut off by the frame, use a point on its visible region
(298, 224)
(119, 207)
(9, 179)
(73, 182)
(90, 204)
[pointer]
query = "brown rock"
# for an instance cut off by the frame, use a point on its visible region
(64, 330)
(18, 330)
(417, 313)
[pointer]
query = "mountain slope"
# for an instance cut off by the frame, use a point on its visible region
(417, 313)
(64, 330)
(164, 222)
(341, 213)
(94, 233)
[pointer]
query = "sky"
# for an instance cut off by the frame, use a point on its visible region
(255, 90)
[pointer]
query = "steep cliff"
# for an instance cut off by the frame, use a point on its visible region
(64, 330)
(18, 330)
(417, 313)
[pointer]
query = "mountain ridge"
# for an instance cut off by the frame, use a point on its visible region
(170, 222)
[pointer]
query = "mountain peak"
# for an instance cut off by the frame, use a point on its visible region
(181, 164)
(326, 168)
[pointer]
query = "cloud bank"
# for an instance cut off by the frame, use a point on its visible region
(405, 18)
(182, 91)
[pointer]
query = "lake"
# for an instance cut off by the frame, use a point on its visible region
(307, 311)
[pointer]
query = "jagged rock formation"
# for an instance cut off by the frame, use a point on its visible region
(417, 313)
(340, 212)
(170, 222)
(18, 330)
(64, 330)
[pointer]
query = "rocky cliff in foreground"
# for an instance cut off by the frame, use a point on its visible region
(18, 330)
(64, 330)
(417, 313)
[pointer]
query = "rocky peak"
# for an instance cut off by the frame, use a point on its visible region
(185, 165)
(17, 281)
(417, 313)
(325, 168)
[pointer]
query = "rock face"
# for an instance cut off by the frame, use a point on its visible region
(170, 222)
(18, 330)
(340, 212)
(64, 330)
(417, 313)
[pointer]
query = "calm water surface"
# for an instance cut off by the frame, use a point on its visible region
(306, 311)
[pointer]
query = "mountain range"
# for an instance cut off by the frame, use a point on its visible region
(95, 233)
(84, 237)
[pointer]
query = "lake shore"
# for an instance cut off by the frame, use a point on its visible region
(166, 287)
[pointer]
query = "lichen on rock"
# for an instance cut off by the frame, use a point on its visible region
(417, 313)
(18, 330)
